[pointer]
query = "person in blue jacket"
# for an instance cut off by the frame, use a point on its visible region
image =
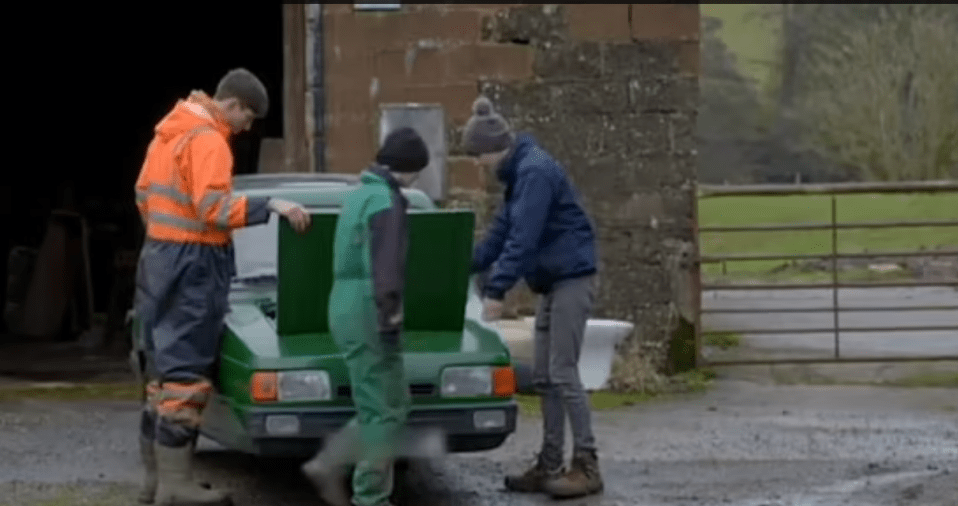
(543, 235)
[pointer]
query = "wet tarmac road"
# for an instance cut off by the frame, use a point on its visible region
(851, 344)
(741, 443)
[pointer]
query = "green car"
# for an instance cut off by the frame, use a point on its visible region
(281, 383)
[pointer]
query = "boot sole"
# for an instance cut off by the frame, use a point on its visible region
(517, 490)
(226, 501)
(576, 495)
(535, 489)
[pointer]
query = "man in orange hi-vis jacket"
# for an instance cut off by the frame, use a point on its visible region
(184, 195)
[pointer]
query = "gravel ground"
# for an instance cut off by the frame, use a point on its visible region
(742, 443)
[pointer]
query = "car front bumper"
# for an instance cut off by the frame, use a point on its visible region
(278, 431)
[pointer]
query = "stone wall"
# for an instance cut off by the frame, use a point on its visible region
(610, 90)
(421, 53)
(614, 98)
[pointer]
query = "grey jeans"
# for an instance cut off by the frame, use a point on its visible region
(559, 328)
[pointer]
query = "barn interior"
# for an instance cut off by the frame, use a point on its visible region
(69, 231)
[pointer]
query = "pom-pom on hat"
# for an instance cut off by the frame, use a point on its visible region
(486, 131)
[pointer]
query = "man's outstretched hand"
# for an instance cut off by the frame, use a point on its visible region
(293, 212)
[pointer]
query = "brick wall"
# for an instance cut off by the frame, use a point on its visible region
(610, 90)
(423, 53)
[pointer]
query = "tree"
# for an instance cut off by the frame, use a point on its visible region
(874, 87)
(728, 111)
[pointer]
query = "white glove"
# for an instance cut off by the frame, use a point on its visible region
(296, 214)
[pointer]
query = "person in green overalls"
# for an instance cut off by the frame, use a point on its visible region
(366, 320)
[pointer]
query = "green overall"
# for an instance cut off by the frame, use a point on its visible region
(379, 388)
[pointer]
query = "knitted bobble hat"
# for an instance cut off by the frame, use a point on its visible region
(486, 131)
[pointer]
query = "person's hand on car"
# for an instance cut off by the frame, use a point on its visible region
(296, 214)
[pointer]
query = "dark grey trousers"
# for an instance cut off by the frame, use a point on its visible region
(559, 328)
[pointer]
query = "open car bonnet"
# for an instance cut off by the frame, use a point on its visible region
(299, 269)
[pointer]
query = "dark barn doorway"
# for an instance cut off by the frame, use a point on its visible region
(118, 75)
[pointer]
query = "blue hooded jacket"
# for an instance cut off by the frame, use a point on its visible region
(542, 233)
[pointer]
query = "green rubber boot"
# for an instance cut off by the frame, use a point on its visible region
(329, 481)
(148, 457)
(176, 486)
(329, 469)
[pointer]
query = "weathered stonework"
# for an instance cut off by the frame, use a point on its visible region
(615, 102)
(619, 115)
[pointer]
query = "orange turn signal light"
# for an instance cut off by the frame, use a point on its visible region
(503, 381)
(264, 387)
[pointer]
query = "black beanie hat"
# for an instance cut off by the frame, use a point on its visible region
(403, 151)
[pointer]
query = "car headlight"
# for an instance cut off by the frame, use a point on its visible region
(291, 386)
(477, 381)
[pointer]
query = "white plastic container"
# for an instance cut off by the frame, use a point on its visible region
(598, 350)
(598, 346)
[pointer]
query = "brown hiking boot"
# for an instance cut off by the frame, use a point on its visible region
(532, 479)
(581, 479)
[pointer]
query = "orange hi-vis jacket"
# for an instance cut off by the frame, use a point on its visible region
(184, 191)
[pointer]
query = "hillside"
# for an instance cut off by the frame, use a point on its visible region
(753, 38)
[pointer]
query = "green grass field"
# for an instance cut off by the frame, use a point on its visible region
(737, 211)
(753, 39)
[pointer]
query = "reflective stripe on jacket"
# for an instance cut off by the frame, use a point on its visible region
(184, 190)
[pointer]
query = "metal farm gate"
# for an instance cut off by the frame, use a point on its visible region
(835, 309)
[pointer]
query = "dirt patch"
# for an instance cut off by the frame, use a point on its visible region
(923, 268)
(923, 374)
(126, 391)
(74, 494)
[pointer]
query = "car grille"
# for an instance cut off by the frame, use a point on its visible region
(416, 390)
(421, 389)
